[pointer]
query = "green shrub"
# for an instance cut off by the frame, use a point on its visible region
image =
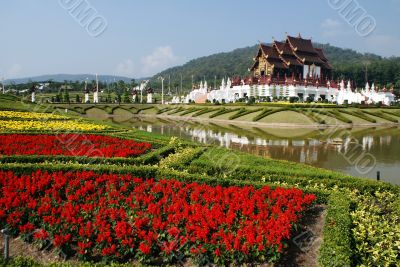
(336, 246)
(188, 111)
(309, 113)
(222, 112)
(203, 111)
(358, 114)
(163, 110)
(177, 110)
(381, 115)
(376, 229)
(266, 112)
(242, 112)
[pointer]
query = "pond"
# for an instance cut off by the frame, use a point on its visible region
(356, 151)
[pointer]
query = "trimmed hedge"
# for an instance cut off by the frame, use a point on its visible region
(176, 110)
(142, 109)
(223, 111)
(358, 114)
(309, 114)
(268, 112)
(203, 111)
(382, 116)
(119, 107)
(163, 110)
(334, 114)
(239, 166)
(336, 247)
(242, 112)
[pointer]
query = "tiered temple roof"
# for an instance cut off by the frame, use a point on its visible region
(286, 54)
(289, 57)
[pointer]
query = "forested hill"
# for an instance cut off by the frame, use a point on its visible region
(347, 63)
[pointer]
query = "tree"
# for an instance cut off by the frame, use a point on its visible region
(77, 99)
(133, 83)
(127, 97)
(66, 96)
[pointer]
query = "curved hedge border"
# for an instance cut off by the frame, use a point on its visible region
(163, 110)
(242, 112)
(382, 116)
(203, 111)
(223, 111)
(309, 114)
(359, 114)
(188, 111)
(176, 110)
(334, 114)
(336, 247)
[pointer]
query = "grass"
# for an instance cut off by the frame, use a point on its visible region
(220, 166)
(276, 112)
(243, 112)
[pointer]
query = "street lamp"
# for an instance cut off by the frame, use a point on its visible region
(162, 89)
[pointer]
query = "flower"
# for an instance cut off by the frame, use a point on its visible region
(120, 215)
(70, 145)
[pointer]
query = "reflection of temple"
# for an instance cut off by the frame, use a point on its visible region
(290, 69)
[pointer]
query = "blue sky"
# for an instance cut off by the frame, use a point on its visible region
(144, 37)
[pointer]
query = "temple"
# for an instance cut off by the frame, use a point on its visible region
(289, 70)
(295, 58)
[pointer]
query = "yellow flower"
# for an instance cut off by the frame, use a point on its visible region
(71, 125)
(29, 115)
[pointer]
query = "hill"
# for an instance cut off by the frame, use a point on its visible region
(347, 63)
(67, 77)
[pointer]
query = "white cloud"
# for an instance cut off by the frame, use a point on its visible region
(161, 58)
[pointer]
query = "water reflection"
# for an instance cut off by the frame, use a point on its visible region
(339, 150)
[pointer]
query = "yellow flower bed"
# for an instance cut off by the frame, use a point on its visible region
(30, 115)
(70, 125)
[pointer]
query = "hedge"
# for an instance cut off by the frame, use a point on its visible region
(382, 115)
(334, 114)
(358, 114)
(188, 111)
(223, 111)
(163, 110)
(268, 112)
(336, 247)
(309, 114)
(242, 112)
(176, 110)
(203, 111)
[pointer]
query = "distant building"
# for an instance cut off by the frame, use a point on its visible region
(285, 70)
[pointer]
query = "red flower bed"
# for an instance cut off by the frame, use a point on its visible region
(124, 217)
(70, 145)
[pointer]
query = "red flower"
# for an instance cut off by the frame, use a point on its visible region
(217, 252)
(144, 248)
(70, 145)
(120, 215)
(41, 235)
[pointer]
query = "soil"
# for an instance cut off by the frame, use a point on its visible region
(305, 243)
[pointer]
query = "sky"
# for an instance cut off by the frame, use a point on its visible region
(140, 38)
